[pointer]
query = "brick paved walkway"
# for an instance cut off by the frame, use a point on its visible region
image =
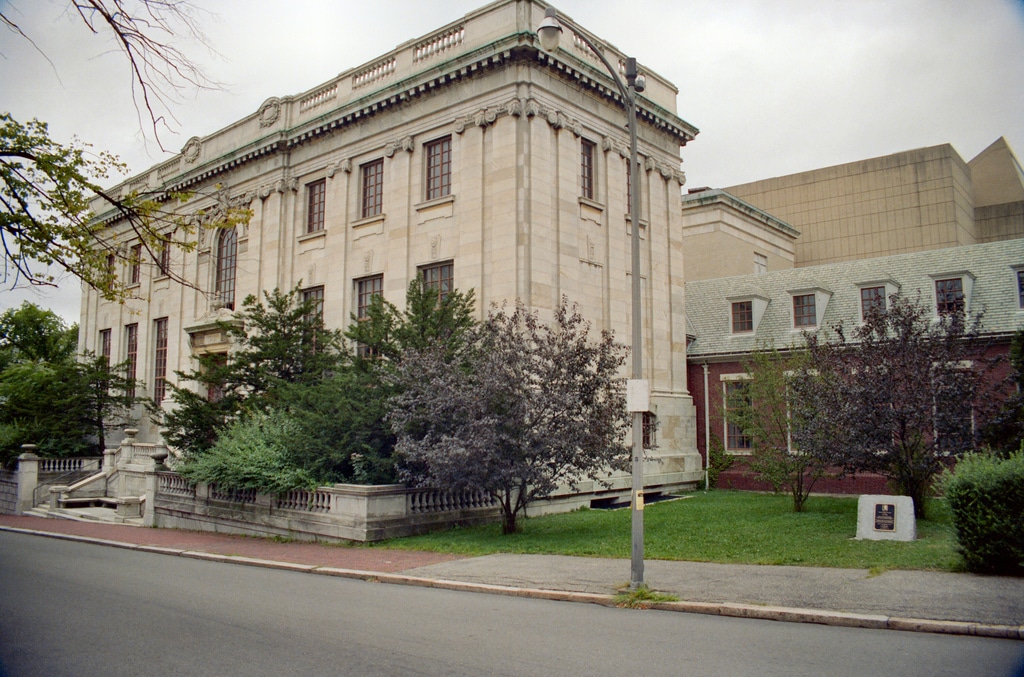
(359, 557)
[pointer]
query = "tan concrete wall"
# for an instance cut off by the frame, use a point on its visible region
(911, 201)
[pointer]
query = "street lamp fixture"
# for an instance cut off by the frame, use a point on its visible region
(638, 395)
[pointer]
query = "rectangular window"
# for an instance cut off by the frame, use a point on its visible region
(316, 195)
(872, 299)
(315, 295)
(742, 316)
(735, 438)
(111, 264)
(105, 345)
(366, 289)
(588, 155)
(131, 354)
(760, 264)
(439, 168)
(1020, 288)
(949, 295)
(373, 188)
(440, 278)
(650, 436)
(135, 264)
(163, 261)
(215, 387)
(803, 311)
(160, 360)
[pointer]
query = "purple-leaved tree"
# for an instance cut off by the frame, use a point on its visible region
(528, 407)
(903, 396)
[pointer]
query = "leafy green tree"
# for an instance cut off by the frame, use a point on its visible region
(49, 398)
(429, 320)
(529, 407)
(253, 453)
(29, 333)
(901, 397)
(761, 408)
(281, 342)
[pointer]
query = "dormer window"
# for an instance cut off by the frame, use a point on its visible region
(804, 314)
(742, 316)
(809, 307)
(745, 313)
(953, 292)
(874, 296)
(949, 295)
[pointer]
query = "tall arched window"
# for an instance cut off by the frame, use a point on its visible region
(227, 256)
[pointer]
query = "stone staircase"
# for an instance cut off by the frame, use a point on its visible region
(85, 513)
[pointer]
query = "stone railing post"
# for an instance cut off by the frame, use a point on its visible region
(109, 460)
(28, 479)
(56, 493)
(149, 513)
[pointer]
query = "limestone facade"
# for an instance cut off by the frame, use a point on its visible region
(469, 154)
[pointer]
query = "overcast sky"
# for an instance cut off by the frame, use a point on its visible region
(775, 86)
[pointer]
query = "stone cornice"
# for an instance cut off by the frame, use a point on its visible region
(189, 169)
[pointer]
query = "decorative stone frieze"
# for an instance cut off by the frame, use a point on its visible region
(193, 147)
(393, 147)
(343, 165)
(270, 111)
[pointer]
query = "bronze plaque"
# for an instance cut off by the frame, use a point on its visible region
(885, 517)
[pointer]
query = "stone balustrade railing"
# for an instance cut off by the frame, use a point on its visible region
(338, 512)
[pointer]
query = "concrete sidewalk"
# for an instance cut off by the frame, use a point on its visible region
(904, 600)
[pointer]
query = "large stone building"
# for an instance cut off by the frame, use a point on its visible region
(469, 156)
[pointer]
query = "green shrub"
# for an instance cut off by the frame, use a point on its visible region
(718, 460)
(986, 498)
(252, 453)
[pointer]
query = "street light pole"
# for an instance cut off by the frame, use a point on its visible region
(550, 31)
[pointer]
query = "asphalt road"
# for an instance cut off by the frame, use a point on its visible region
(81, 609)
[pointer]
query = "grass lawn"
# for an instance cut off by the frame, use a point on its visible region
(719, 526)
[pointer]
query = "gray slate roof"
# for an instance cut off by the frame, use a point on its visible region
(993, 267)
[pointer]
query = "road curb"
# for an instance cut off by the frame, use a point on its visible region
(771, 613)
